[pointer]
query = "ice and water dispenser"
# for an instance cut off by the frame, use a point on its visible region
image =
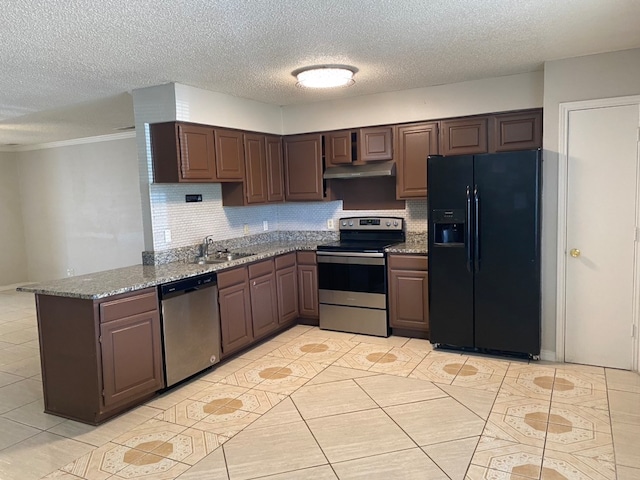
(448, 227)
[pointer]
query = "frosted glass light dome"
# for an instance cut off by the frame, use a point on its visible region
(325, 77)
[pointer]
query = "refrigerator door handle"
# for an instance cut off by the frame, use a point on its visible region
(469, 238)
(476, 228)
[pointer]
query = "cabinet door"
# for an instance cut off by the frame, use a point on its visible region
(256, 168)
(275, 172)
(229, 155)
(197, 155)
(264, 305)
(235, 317)
(415, 143)
(308, 285)
(516, 131)
(131, 357)
(464, 137)
(338, 148)
(408, 297)
(287, 288)
(303, 167)
(375, 144)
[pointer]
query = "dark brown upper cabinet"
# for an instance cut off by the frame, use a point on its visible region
(338, 146)
(415, 142)
(275, 171)
(375, 143)
(229, 154)
(255, 157)
(303, 167)
(516, 131)
(467, 136)
(184, 152)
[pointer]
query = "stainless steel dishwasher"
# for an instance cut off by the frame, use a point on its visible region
(190, 326)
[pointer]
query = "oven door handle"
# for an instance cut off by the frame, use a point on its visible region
(351, 254)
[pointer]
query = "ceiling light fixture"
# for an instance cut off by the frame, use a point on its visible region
(328, 76)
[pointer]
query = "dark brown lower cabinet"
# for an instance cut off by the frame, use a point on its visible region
(408, 292)
(99, 357)
(264, 300)
(308, 285)
(287, 288)
(235, 310)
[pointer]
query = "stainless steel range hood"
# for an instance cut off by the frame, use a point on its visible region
(373, 169)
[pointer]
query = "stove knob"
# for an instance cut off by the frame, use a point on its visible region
(388, 224)
(351, 224)
(344, 224)
(395, 224)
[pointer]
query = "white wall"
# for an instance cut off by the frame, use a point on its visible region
(13, 259)
(81, 207)
(512, 92)
(583, 78)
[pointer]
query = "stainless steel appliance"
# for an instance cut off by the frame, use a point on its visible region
(352, 275)
(484, 251)
(190, 326)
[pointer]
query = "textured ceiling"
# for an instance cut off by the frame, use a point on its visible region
(56, 54)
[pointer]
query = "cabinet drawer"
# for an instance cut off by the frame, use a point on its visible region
(232, 277)
(128, 306)
(307, 258)
(261, 268)
(408, 262)
(286, 260)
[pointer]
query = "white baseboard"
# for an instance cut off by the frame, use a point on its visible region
(548, 355)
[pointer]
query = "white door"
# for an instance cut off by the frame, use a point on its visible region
(601, 224)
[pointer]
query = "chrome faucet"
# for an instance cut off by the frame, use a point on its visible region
(205, 246)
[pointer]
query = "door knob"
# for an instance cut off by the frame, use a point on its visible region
(574, 252)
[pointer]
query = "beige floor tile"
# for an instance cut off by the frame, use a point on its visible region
(453, 457)
(21, 336)
(324, 472)
(303, 368)
(580, 417)
(106, 432)
(419, 345)
(174, 396)
(12, 432)
(626, 473)
(327, 358)
(33, 415)
(27, 367)
(358, 434)
(410, 464)
(19, 393)
(387, 390)
(147, 436)
(582, 397)
(397, 361)
(211, 467)
(527, 430)
(480, 473)
(388, 341)
(39, 455)
(435, 421)
(256, 372)
(517, 405)
(573, 467)
(478, 401)
(576, 367)
(508, 457)
(190, 446)
(268, 451)
(13, 353)
(538, 387)
(221, 371)
(261, 350)
(331, 399)
(439, 367)
(357, 362)
(258, 401)
(625, 407)
(283, 413)
(220, 392)
(315, 332)
(292, 333)
(625, 442)
(226, 422)
(153, 466)
(283, 383)
(60, 475)
(102, 462)
(373, 349)
(570, 379)
(335, 373)
(623, 380)
(531, 371)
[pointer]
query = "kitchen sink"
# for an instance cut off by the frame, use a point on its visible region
(220, 257)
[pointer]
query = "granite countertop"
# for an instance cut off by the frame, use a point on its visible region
(128, 279)
(417, 248)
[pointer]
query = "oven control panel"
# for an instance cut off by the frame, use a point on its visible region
(372, 223)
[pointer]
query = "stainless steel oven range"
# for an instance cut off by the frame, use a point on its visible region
(352, 275)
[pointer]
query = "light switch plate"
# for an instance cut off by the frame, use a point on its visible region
(246, 229)
(167, 236)
(330, 224)
(265, 225)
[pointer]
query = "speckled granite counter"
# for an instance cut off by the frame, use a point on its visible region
(416, 248)
(128, 279)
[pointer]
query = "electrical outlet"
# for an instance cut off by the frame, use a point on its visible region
(246, 229)
(330, 224)
(167, 236)
(265, 225)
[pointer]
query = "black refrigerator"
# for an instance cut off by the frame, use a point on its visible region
(484, 251)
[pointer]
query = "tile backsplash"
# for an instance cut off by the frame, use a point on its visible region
(179, 224)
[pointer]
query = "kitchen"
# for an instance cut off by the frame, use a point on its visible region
(167, 211)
